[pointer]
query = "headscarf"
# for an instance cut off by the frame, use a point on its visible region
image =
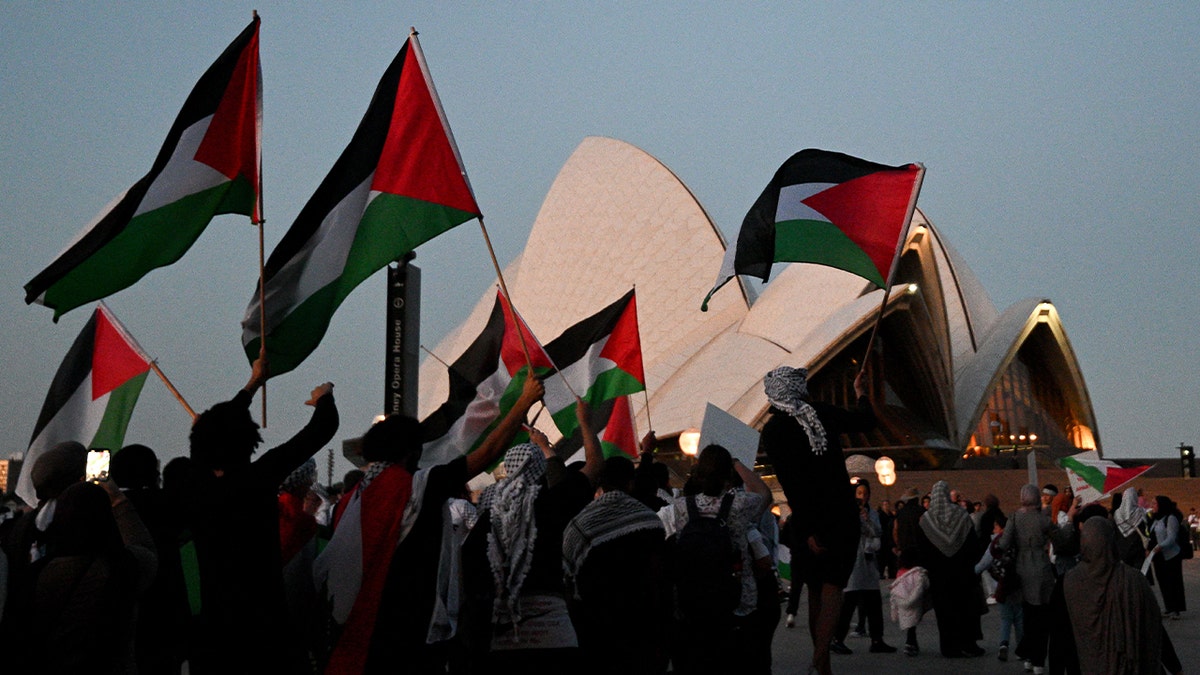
(1111, 606)
(514, 530)
(1130, 514)
(786, 389)
(945, 523)
(301, 479)
(1061, 503)
(57, 468)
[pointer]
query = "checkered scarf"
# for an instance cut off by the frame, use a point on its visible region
(786, 389)
(514, 532)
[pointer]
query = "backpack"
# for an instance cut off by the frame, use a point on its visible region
(1004, 570)
(707, 567)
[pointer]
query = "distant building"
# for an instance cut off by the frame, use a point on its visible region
(10, 469)
(960, 384)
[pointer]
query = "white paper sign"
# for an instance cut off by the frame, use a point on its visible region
(727, 431)
(1146, 564)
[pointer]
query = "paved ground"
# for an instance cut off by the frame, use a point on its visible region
(793, 650)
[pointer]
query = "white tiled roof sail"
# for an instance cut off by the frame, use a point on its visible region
(617, 218)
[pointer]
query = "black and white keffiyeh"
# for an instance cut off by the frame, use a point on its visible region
(945, 523)
(786, 389)
(614, 514)
(514, 531)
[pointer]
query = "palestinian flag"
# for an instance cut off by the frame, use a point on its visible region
(829, 209)
(1093, 479)
(92, 395)
(613, 423)
(618, 437)
(601, 358)
(399, 183)
(209, 165)
(485, 382)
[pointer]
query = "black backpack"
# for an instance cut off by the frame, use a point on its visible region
(1183, 537)
(707, 566)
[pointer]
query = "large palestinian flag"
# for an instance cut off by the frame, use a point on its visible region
(92, 395)
(209, 165)
(399, 183)
(1093, 479)
(601, 358)
(829, 209)
(485, 382)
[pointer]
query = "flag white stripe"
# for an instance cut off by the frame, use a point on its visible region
(791, 204)
(318, 264)
(183, 175)
(77, 420)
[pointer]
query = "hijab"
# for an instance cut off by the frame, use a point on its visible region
(945, 523)
(514, 529)
(1111, 607)
(1130, 514)
(787, 389)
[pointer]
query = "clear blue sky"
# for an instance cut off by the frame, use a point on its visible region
(1061, 141)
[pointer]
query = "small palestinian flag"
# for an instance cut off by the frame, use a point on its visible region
(601, 358)
(618, 437)
(1093, 479)
(209, 165)
(399, 183)
(92, 395)
(829, 209)
(485, 382)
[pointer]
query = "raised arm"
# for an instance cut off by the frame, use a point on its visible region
(593, 454)
(497, 441)
(754, 483)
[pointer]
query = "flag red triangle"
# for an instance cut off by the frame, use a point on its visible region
(1116, 476)
(114, 359)
(512, 351)
(418, 160)
(624, 346)
(871, 211)
(619, 430)
(232, 141)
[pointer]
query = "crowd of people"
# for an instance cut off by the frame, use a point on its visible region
(233, 561)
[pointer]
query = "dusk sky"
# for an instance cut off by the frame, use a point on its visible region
(1061, 142)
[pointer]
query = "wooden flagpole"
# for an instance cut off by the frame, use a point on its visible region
(504, 289)
(260, 221)
(178, 397)
(887, 289)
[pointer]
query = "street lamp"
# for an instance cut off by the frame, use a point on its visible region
(885, 470)
(689, 442)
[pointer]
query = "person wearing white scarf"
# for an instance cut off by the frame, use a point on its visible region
(954, 586)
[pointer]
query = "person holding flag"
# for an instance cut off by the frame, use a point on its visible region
(231, 505)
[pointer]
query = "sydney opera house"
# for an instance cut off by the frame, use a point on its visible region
(956, 382)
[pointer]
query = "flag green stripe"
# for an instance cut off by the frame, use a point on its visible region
(610, 384)
(390, 227)
(117, 411)
(821, 242)
(611, 449)
(1090, 474)
(151, 240)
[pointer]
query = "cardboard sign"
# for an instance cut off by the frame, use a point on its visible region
(721, 428)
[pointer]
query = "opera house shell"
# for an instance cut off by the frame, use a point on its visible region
(955, 382)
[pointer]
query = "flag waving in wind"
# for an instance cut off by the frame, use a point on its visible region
(399, 183)
(92, 395)
(826, 208)
(209, 165)
(601, 358)
(1093, 479)
(485, 382)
